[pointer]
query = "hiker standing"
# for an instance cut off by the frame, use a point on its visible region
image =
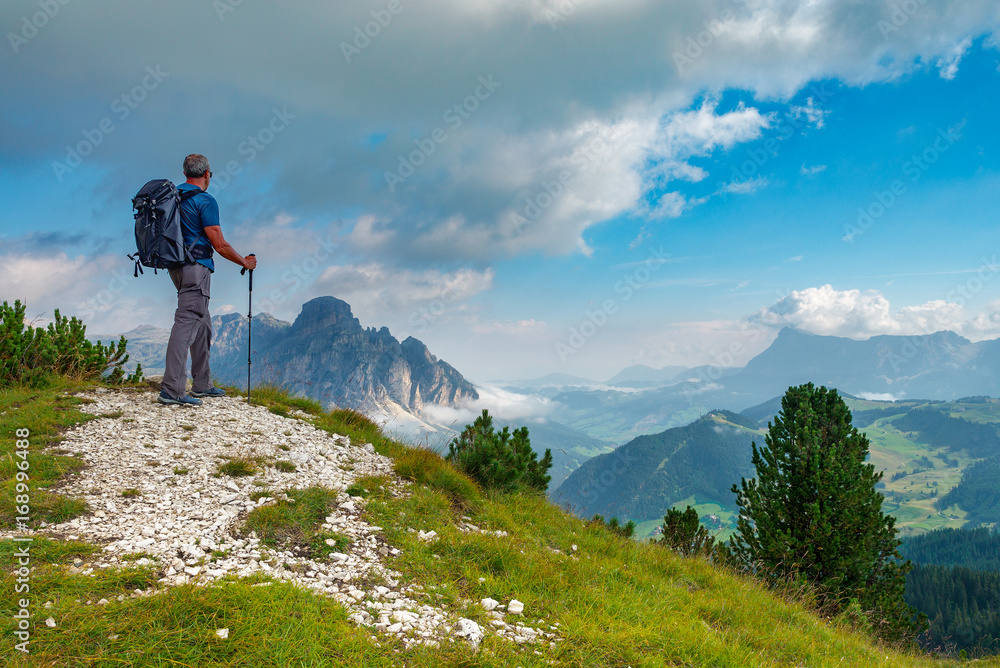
(192, 328)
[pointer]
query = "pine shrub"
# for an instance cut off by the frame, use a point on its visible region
(31, 355)
(501, 461)
(684, 534)
(613, 525)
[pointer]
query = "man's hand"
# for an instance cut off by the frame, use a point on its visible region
(250, 262)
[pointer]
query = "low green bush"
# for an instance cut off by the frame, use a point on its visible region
(32, 355)
(501, 461)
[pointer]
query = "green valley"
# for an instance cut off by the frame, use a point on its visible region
(926, 449)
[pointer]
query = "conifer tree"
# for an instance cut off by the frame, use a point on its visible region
(813, 513)
(503, 461)
(683, 533)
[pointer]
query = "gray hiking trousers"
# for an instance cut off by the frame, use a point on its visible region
(192, 331)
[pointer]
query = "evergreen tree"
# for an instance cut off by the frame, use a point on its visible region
(813, 513)
(503, 460)
(683, 533)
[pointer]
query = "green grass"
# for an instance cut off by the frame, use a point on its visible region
(615, 602)
(280, 401)
(237, 467)
(426, 467)
(45, 413)
(297, 522)
(368, 485)
(273, 626)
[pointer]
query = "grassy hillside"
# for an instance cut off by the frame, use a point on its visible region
(611, 602)
(641, 479)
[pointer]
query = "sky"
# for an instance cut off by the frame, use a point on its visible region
(527, 186)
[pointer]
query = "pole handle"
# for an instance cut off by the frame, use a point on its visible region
(244, 270)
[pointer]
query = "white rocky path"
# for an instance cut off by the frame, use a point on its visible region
(184, 517)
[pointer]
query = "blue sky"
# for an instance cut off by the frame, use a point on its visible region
(528, 186)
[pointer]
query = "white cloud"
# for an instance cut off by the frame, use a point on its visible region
(858, 315)
(948, 63)
(669, 205)
(98, 290)
(403, 299)
(745, 187)
(604, 69)
(502, 404)
(700, 131)
(814, 115)
(34, 279)
(812, 171)
(879, 396)
(985, 325)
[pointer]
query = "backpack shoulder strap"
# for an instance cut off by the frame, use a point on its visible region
(185, 194)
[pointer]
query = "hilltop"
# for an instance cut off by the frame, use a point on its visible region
(589, 597)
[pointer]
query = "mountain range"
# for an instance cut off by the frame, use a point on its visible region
(325, 354)
(942, 365)
(941, 463)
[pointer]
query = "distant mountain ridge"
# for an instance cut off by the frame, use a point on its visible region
(325, 354)
(942, 365)
(640, 375)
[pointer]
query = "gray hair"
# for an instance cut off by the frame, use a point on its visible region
(195, 165)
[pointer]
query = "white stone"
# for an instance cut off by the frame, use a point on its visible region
(489, 603)
(469, 630)
(50, 622)
(222, 633)
(515, 607)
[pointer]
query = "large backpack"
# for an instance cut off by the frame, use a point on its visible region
(159, 234)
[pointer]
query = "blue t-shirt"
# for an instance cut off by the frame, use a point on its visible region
(198, 212)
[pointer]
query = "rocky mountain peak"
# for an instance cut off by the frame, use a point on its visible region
(328, 355)
(325, 313)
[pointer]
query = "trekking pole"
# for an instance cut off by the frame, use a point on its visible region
(249, 326)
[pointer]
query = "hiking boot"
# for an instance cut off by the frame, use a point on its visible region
(165, 398)
(213, 392)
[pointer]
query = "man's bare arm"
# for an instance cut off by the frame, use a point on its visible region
(223, 248)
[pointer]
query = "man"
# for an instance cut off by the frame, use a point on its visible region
(192, 328)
